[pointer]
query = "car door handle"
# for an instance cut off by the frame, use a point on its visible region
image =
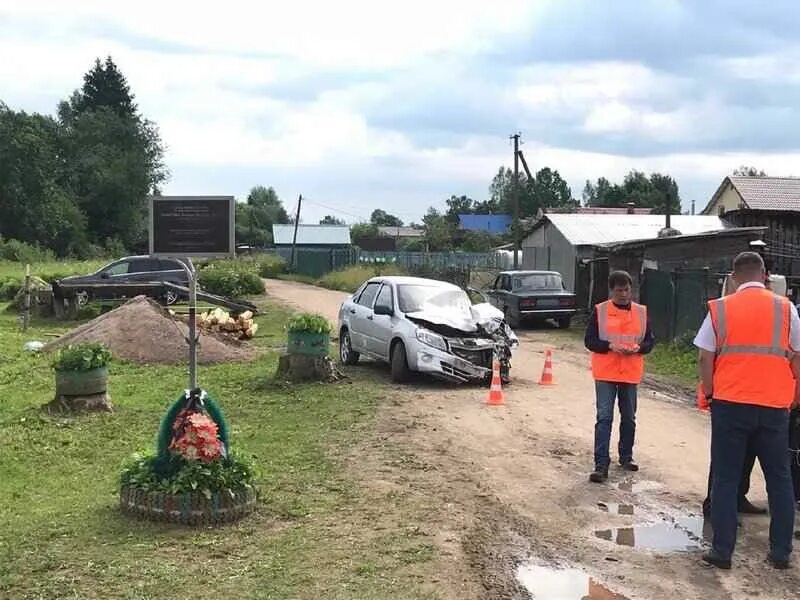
(369, 318)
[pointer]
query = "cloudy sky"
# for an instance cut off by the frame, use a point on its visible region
(359, 105)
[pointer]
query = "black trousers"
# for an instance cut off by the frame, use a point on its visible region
(744, 482)
(750, 460)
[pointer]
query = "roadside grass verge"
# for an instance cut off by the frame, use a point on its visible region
(346, 280)
(64, 537)
(676, 360)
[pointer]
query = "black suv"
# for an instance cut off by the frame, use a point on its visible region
(128, 277)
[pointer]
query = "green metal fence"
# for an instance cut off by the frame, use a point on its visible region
(677, 301)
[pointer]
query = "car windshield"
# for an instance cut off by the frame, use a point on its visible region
(536, 281)
(413, 298)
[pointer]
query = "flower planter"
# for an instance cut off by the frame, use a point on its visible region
(82, 383)
(192, 508)
(307, 343)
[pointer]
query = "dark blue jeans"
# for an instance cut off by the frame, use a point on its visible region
(733, 427)
(607, 393)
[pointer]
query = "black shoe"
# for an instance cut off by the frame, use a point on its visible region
(598, 475)
(629, 466)
(716, 561)
(780, 564)
(746, 508)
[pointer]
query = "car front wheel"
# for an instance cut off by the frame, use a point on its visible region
(510, 319)
(347, 355)
(170, 297)
(399, 363)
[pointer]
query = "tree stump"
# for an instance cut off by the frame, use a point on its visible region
(303, 367)
(80, 404)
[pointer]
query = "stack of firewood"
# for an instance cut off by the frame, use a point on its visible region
(221, 321)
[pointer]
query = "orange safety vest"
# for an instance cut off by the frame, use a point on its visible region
(623, 327)
(752, 363)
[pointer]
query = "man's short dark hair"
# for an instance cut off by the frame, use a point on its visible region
(619, 279)
(748, 263)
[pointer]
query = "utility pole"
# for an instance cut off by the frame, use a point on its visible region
(692, 205)
(515, 223)
(296, 225)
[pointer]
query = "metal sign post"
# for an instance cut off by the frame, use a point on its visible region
(185, 227)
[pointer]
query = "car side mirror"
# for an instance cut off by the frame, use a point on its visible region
(104, 275)
(382, 309)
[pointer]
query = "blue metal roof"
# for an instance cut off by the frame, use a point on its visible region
(496, 224)
(312, 235)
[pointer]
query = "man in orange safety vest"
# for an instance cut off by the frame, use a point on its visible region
(618, 335)
(748, 377)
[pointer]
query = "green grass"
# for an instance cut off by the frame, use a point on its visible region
(346, 280)
(676, 360)
(312, 537)
(50, 270)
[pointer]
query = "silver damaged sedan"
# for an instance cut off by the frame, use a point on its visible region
(426, 326)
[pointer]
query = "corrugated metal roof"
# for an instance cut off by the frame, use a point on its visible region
(489, 223)
(312, 235)
(407, 232)
(769, 193)
(605, 229)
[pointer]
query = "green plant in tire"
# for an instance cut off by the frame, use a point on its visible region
(86, 356)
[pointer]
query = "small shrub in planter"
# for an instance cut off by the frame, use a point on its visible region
(81, 376)
(308, 333)
(192, 478)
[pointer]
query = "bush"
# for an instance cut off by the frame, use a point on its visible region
(349, 279)
(176, 475)
(308, 323)
(9, 286)
(232, 278)
(22, 252)
(271, 265)
(82, 357)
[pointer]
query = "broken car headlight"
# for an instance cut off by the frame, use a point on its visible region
(431, 339)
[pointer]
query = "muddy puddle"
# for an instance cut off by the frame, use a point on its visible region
(615, 508)
(637, 487)
(552, 583)
(679, 534)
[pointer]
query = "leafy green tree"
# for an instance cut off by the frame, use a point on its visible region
(745, 171)
(114, 157)
(381, 218)
(547, 189)
(363, 231)
(256, 216)
(657, 192)
(458, 205)
(439, 232)
(35, 205)
(478, 241)
(331, 220)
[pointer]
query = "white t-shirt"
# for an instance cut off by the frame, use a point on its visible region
(706, 338)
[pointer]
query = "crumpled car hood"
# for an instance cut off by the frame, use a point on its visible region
(480, 315)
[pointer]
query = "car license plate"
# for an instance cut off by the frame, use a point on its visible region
(547, 302)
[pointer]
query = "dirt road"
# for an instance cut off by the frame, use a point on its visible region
(504, 495)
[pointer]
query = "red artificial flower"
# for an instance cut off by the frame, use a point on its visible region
(198, 438)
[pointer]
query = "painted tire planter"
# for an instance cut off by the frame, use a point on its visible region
(187, 509)
(307, 343)
(82, 383)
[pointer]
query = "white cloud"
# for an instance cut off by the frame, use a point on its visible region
(204, 72)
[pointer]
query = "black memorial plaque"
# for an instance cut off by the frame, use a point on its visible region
(192, 226)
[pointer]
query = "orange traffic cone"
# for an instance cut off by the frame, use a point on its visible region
(496, 389)
(547, 372)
